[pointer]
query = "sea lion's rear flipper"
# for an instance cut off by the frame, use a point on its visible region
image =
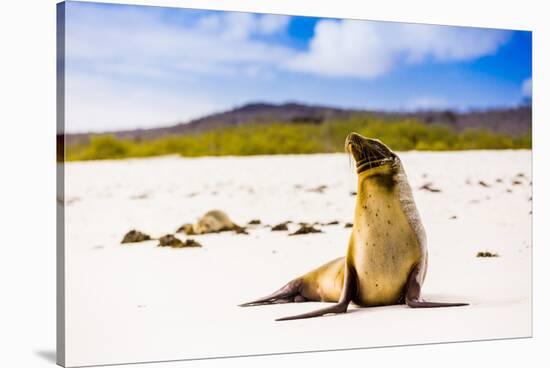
(412, 294)
(287, 294)
(348, 291)
(340, 307)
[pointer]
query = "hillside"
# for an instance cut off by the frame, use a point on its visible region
(512, 121)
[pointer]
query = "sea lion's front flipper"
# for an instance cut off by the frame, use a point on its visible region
(349, 289)
(412, 294)
(287, 294)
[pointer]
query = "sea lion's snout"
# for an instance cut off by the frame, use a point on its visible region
(368, 153)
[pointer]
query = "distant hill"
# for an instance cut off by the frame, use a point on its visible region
(513, 121)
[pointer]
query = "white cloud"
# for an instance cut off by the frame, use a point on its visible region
(352, 48)
(243, 25)
(143, 43)
(98, 104)
(527, 88)
(127, 67)
(269, 24)
(130, 67)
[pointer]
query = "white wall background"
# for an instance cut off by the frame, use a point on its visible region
(27, 172)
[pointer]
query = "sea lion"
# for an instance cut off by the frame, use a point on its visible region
(387, 257)
(213, 221)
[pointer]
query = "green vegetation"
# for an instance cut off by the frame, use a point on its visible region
(284, 138)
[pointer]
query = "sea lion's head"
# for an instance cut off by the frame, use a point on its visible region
(370, 155)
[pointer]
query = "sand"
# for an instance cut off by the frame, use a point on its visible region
(139, 302)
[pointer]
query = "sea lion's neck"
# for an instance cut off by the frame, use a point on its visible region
(377, 192)
(379, 179)
(384, 193)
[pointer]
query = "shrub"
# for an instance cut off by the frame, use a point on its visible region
(297, 138)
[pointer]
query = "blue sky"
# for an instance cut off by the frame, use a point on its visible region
(137, 67)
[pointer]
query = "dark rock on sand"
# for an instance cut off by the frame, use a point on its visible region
(306, 229)
(429, 187)
(135, 236)
(319, 189)
(483, 184)
(239, 230)
(173, 242)
(169, 241)
(486, 255)
(254, 222)
(280, 227)
(140, 196)
(335, 222)
(348, 224)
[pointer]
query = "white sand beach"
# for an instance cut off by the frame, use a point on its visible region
(140, 302)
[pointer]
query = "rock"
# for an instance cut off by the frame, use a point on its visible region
(429, 187)
(306, 229)
(173, 242)
(319, 189)
(192, 243)
(169, 241)
(486, 254)
(348, 224)
(254, 222)
(280, 227)
(483, 184)
(240, 230)
(140, 196)
(134, 236)
(335, 222)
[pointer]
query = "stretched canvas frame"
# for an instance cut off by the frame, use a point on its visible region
(520, 165)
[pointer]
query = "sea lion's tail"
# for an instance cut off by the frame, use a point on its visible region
(286, 294)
